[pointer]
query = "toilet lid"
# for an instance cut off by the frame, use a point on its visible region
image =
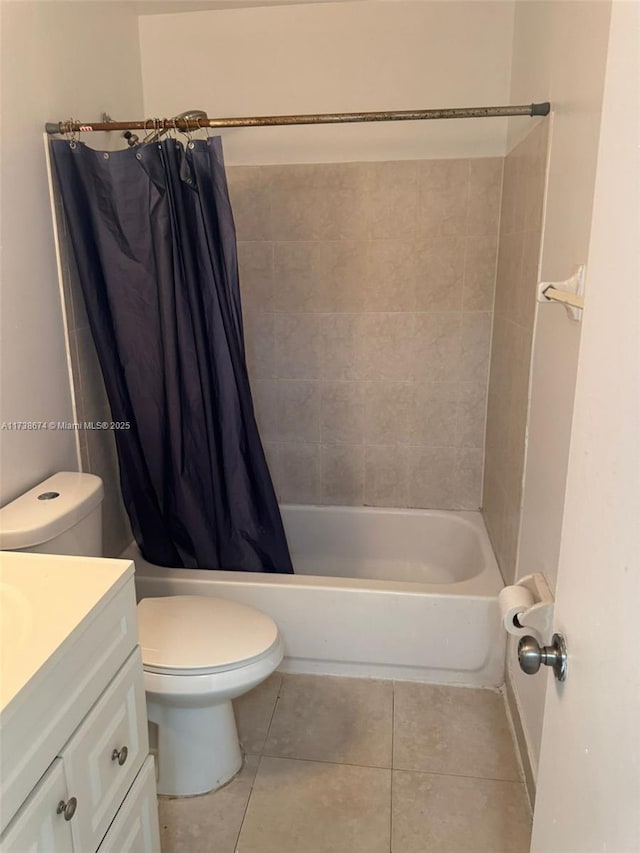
(179, 632)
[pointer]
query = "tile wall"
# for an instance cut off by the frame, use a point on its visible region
(367, 296)
(515, 302)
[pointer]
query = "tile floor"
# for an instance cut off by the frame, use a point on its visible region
(344, 765)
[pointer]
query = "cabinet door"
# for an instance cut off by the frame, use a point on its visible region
(105, 753)
(135, 828)
(38, 827)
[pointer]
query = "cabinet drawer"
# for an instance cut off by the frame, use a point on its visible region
(105, 753)
(38, 828)
(135, 828)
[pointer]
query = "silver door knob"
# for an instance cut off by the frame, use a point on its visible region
(531, 656)
(68, 809)
(120, 755)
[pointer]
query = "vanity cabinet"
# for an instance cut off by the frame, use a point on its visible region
(84, 724)
(39, 825)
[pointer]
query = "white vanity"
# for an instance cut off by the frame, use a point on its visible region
(75, 770)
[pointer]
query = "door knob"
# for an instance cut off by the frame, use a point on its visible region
(120, 755)
(67, 809)
(531, 655)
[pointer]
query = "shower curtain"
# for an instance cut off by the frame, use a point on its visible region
(152, 233)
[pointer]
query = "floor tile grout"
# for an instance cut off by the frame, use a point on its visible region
(392, 769)
(260, 757)
(393, 731)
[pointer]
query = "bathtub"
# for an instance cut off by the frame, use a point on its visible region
(378, 593)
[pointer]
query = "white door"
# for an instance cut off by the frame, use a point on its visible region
(589, 778)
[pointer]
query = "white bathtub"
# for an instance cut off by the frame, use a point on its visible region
(385, 593)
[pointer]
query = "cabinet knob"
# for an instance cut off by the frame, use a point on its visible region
(120, 755)
(68, 809)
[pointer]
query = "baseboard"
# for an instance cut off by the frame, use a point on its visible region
(516, 721)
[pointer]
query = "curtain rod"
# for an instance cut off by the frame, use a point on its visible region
(182, 124)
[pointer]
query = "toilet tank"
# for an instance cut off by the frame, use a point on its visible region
(62, 515)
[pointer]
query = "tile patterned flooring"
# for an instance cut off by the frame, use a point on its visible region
(344, 765)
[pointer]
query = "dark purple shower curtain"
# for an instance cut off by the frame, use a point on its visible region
(152, 232)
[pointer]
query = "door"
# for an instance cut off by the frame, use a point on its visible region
(589, 777)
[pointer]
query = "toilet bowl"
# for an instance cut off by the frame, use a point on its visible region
(198, 654)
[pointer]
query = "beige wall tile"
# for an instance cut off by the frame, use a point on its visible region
(468, 478)
(260, 345)
(250, 194)
(470, 424)
(264, 393)
(443, 174)
(392, 200)
(434, 413)
(343, 276)
(493, 501)
(518, 261)
(342, 412)
(298, 346)
(528, 281)
(296, 473)
(307, 176)
(440, 274)
(436, 347)
(298, 411)
(388, 407)
(372, 268)
(443, 212)
(322, 213)
(475, 338)
(297, 271)
(255, 266)
(343, 346)
(431, 477)
(480, 260)
(508, 274)
(386, 472)
(387, 346)
(391, 277)
(342, 474)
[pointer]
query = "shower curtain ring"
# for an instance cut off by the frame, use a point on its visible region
(72, 135)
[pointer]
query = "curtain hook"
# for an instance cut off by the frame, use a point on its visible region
(72, 135)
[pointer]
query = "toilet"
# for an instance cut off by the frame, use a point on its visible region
(198, 652)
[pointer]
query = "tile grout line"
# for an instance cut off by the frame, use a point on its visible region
(246, 808)
(398, 769)
(393, 730)
(261, 755)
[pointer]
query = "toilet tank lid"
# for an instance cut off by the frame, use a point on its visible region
(49, 509)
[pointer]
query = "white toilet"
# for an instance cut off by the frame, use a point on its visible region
(198, 653)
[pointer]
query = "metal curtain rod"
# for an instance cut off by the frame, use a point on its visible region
(182, 124)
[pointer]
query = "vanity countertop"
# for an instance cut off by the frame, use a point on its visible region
(44, 600)
(66, 626)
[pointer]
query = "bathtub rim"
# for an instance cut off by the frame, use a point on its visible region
(486, 584)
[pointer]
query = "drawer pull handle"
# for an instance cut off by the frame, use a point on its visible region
(68, 809)
(120, 755)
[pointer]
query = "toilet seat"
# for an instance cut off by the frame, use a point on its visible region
(194, 635)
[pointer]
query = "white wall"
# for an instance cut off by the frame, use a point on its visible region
(561, 49)
(337, 57)
(59, 59)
